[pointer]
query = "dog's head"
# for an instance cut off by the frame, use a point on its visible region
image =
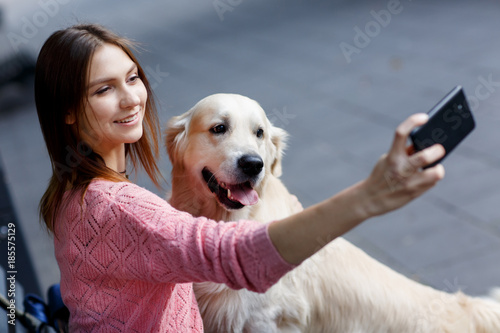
(224, 147)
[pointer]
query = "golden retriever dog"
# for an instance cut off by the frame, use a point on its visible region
(226, 158)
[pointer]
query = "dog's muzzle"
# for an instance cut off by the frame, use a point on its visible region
(239, 195)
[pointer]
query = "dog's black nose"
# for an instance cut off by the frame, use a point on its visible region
(251, 165)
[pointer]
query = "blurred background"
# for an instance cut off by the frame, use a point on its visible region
(338, 76)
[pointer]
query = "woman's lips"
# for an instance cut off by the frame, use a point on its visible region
(129, 119)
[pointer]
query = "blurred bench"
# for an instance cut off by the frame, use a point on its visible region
(20, 278)
(5, 327)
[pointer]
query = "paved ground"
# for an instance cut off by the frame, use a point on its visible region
(337, 75)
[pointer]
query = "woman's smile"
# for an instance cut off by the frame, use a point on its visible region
(129, 120)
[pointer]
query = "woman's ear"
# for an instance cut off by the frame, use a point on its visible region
(70, 117)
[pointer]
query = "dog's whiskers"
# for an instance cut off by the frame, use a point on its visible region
(214, 179)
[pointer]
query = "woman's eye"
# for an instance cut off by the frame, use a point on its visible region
(218, 129)
(134, 78)
(102, 91)
(260, 133)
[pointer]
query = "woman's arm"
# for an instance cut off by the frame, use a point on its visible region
(396, 180)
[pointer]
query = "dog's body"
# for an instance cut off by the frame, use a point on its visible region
(226, 159)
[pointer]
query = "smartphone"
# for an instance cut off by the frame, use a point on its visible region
(450, 121)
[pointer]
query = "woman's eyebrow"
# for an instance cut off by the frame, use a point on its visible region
(103, 80)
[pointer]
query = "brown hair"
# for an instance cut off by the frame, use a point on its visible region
(61, 79)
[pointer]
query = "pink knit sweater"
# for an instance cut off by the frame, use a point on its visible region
(128, 260)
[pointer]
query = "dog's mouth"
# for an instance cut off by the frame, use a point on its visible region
(231, 196)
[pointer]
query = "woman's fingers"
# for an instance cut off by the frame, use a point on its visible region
(404, 130)
(425, 180)
(407, 171)
(426, 156)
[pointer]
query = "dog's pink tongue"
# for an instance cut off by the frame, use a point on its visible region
(244, 194)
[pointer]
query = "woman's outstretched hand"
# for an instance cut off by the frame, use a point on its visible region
(398, 176)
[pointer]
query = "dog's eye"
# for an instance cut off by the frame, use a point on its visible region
(218, 129)
(260, 133)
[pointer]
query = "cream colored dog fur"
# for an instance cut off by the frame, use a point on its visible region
(215, 149)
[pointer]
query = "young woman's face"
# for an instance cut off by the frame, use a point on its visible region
(116, 101)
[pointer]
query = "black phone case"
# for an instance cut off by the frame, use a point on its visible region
(450, 121)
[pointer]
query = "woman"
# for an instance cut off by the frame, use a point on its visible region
(127, 258)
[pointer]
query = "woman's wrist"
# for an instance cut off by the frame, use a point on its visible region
(363, 201)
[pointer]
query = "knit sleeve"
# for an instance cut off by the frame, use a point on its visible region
(148, 239)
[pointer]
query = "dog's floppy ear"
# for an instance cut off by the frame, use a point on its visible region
(278, 139)
(175, 136)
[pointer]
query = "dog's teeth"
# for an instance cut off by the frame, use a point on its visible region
(229, 193)
(223, 185)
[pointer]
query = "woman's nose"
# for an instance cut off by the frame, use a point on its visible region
(129, 98)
